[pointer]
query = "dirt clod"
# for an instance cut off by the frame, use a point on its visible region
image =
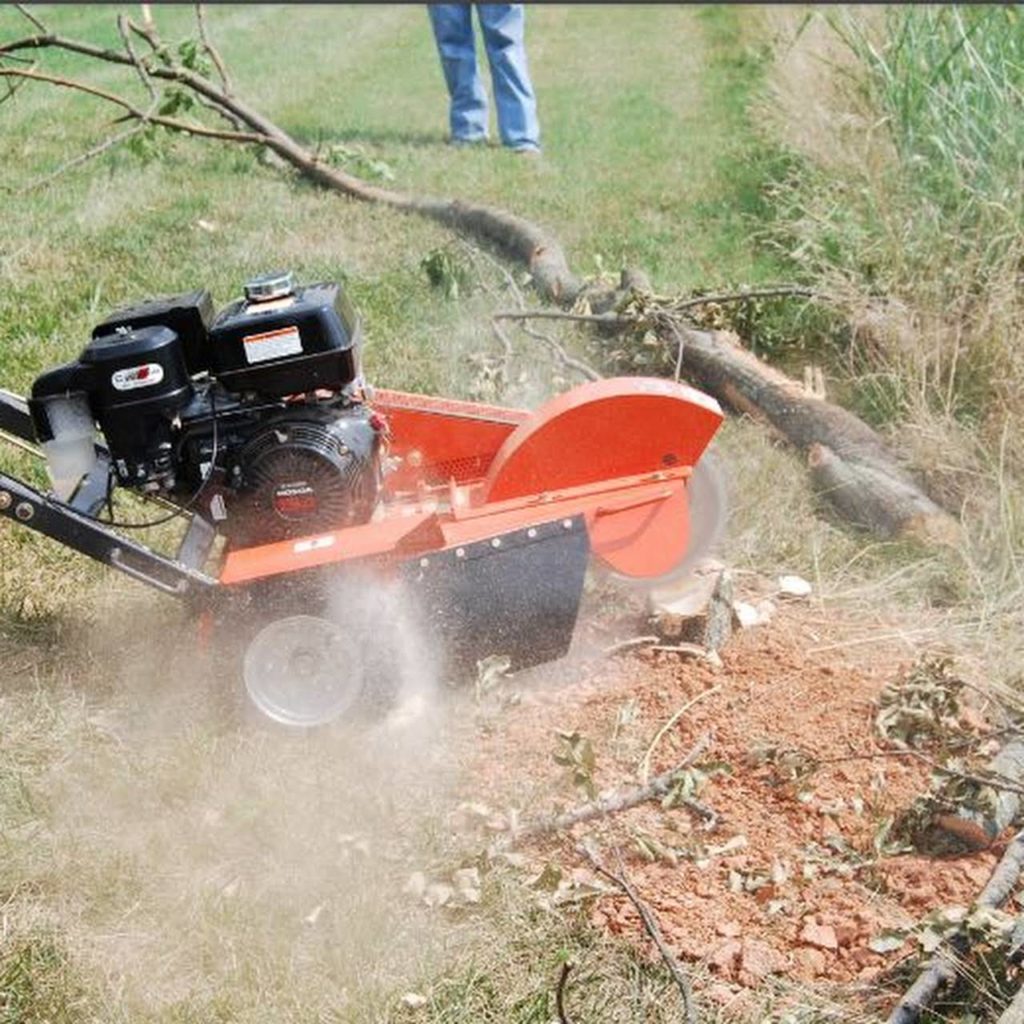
(821, 936)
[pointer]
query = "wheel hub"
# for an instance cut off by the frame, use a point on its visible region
(302, 671)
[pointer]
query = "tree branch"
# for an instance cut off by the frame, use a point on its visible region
(582, 368)
(941, 971)
(659, 786)
(554, 314)
(651, 926)
(90, 154)
(211, 50)
(993, 780)
(188, 127)
(13, 85)
(147, 82)
(644, 768)
(515, 237)
(563, 978)
(776, 292)
(22, 9)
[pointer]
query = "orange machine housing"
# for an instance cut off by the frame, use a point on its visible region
(618, 452)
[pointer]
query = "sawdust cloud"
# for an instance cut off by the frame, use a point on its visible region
(192, 857)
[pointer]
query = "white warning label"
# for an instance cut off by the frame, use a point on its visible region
(272, 345)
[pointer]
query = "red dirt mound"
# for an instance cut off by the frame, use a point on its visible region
(796, 877)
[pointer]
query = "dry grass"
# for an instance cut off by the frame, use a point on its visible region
(927, 275)
(809, 101)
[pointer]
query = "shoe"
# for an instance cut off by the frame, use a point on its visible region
(468, 143)
(529, 151)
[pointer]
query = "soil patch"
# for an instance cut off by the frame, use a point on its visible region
(798, 873)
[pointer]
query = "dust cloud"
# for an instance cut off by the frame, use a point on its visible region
(194, 857)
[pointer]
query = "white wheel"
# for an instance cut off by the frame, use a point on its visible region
(303, 671)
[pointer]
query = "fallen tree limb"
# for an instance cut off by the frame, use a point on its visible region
(850, 464)
(659, 786)
(651, 926)
(941, 971)
(515, 237)
(992, 800)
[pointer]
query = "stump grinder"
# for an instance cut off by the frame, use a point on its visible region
(253, 428)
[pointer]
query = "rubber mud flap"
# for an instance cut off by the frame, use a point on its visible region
(515, 595)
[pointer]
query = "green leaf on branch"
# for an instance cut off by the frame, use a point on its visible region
(576, 753)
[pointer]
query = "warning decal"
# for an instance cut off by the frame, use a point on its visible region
(272, 345)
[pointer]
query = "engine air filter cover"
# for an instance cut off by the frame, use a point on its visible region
(286, 344)
(142, 367)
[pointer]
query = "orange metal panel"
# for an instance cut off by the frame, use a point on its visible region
(440, 439)
(603, 430)
(410, 528)
(398, 533)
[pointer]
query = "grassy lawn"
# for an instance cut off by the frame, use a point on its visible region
(128, 818)
(648, 161)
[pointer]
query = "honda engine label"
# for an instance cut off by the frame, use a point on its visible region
(295, 500)
(132, 377)
(272, 345)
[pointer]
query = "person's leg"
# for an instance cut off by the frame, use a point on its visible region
(453, 33)
(503, 26)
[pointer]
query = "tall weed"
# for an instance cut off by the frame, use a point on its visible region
(927, 236)
(907, 204)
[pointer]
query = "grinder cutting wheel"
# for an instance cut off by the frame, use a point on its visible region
(253, 426)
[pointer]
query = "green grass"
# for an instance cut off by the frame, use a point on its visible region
(128, 808)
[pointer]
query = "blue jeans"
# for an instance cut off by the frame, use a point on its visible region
(502, 26)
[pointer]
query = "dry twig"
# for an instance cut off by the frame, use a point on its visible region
(659, 786)
(775, 292)
(563, 978)
(645, 761)
(651, 926)
(211, 50)
(991, 779)
(631, 644)
(22, 9)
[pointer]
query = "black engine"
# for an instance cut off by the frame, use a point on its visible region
(252, 418)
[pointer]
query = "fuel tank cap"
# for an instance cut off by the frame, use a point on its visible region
(275, 285)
